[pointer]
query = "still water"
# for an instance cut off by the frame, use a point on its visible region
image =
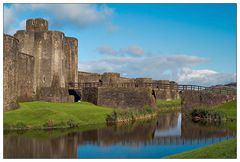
(166, 135)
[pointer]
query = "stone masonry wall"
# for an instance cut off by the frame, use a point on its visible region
(193, 99)
(90, 94)
(24, 72)
(10, 54)
(125, 97)
(71, 54)
(55, 56)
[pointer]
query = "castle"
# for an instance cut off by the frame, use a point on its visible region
(42, 65)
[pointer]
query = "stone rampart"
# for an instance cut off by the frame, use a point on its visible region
(125, 97)
(194, 99)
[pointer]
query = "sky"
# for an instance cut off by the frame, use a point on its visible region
(187, 43)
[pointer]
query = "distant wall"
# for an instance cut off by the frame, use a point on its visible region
(10, 54)
(193, 99)
(25, 73)
(84, 77)
(125, 97)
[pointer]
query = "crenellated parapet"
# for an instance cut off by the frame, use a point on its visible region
(36, 25)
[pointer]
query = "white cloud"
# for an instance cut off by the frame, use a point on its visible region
(135, 51)
(77, 15)
(175, 67)
(106, 50)
(204, 77)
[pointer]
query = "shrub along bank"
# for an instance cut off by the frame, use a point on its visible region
(223, 112)
(127, 115)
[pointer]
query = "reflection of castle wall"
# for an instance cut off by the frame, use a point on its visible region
(167, 120)
(64, 147)
(132, 135)
(192, 130)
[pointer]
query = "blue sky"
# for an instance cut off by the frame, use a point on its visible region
(189, 43)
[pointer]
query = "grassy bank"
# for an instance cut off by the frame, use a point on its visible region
(56, 115)
(221, 150)
(131, 115)
(226, 112)
(171, 105)
(229, 108)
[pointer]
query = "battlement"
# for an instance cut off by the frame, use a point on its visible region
(37, 25)
(9, 38)
(110, 74)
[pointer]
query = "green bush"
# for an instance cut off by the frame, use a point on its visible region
(72, 123)
(208, 114)
(21, 125)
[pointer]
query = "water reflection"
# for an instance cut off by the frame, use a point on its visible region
(168, 134)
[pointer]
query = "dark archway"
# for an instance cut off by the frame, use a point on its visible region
(77, 95)
(154, 94)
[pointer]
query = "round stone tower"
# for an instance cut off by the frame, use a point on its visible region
(37, 25)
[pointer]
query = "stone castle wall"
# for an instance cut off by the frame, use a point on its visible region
(116, 91)
(10, 50)
(42, 63)
(194, 99)
(125, 97)
(119, 97)
(24, 72)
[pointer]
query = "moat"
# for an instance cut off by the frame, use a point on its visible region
(166, 135)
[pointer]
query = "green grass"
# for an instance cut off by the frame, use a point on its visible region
(229, 108)
(171, 105)
(37, 114)
(221, 150)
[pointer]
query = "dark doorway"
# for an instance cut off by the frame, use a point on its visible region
(100, 81)
(77, 95)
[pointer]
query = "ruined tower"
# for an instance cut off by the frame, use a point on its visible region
(42, 63)
(55, 59)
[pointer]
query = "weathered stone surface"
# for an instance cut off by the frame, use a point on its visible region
(90, 94)
(10, 54)
(85, 77)
(37, 25)
(24, 72)
(193, 99)
(39, 64)
(125, 97)
(71, 54)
